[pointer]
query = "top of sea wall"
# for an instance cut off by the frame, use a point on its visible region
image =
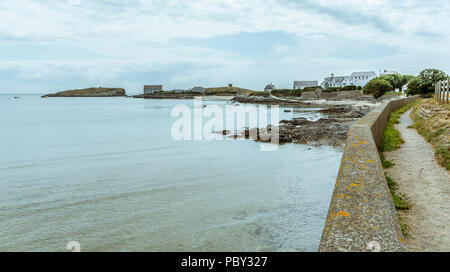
(361, 212)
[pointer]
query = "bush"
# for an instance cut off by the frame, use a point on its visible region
(332, 89)
(349, 88)
(263, 94)
(377, 87)
(311, 89)
(425, 81)
(287, 92)
(397, 81)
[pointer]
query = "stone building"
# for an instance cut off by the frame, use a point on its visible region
(151, 89)
(299, 85)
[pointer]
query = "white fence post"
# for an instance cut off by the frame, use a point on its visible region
(448, 90)
(442, 91)
(438, 91)
(435, 89)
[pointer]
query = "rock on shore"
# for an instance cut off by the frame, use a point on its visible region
(89, 92)
(331, 130)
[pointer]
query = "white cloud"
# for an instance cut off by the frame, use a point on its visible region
(74, 2)
(105, 39)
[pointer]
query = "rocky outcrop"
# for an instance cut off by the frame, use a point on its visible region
(167, 95)
(331, 130)
(256, 99)
(89, 92)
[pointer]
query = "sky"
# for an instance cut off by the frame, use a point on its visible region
(54, 45)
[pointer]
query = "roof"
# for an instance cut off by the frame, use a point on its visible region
(337, 79)
(152, 87)
(389, 72)
(270, 86)
(368, 73)
(306, 83)
(198, 89)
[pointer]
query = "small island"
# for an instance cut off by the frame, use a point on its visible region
(89, 92)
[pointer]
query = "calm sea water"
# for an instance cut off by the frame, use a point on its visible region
(105, 172)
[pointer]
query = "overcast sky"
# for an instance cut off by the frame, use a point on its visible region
(53, 45)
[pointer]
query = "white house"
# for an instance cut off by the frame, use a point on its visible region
(356, 78)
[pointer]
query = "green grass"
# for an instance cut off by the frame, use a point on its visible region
(393, 93)
(386, 163)
(403, 226)
(434, 136)
(443, 153)
(399, 199)
(228, 90)
(391, 139)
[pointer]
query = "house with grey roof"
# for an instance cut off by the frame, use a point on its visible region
(299, 85)
(269, 87)
(356, 78)
(336, 81)
(151, 89)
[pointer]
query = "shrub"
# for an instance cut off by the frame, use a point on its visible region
(417, 86)
(311, 89)
(425, 81)
(377, 87)
(349, 88)
(397, 81)
(332, 89)
(431, 76)
(287, 92)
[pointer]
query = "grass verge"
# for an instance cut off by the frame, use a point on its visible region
(435, 129)
(400, 202)
(399, 199)
(391, 139)
(385, 162)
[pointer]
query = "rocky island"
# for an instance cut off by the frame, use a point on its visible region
(89, 92)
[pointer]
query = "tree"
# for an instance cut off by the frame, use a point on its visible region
(431, 76)
(416, 86)
(377, 87)
(425, 81)
(397, 81)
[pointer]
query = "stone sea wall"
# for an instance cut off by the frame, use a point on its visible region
(362, 216)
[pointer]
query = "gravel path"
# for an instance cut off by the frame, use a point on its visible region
(427, 187)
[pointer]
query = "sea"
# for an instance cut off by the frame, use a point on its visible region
(108, 175)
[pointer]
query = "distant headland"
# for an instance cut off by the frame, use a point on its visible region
(89, 92)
